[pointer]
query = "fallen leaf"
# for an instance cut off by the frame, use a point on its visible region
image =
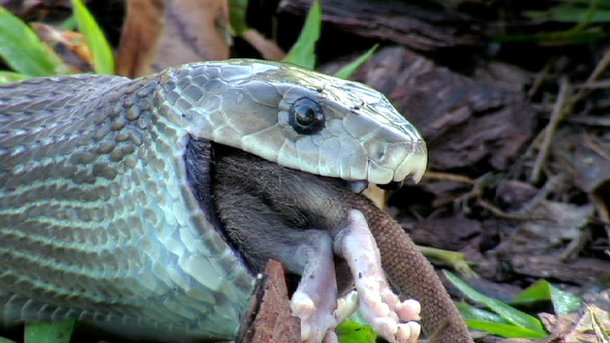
(160, 34)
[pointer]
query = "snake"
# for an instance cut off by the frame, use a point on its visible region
(99, 216)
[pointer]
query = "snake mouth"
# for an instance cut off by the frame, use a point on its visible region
(236, 190)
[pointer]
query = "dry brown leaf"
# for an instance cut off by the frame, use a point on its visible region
(554, 224)
(164, 33)
(587, 328)
(407, 23)
(70, 46)
(141, 29)
(268, 49)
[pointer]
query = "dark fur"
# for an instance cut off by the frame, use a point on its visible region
(264, 210)
(272, 212)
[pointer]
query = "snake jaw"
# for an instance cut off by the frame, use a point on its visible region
(414, 164)
(397, 162)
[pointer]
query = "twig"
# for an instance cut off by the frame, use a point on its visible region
(554, 184)
(448, 177)
(549, 130)
(590, 120)
(500, 213)
(576, 245)
(602, 212)
(593, 143)
(600, 68)
(540, 77)
(473, 193)
(603, 84)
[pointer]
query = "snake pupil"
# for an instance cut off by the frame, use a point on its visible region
(306, 116)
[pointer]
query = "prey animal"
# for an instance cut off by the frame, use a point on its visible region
(107, 206)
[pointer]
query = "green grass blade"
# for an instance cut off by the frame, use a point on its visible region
(505, 330)
(348, 70)
(303, 52)
(8, 77)
(23, 51)
(474, 313)
(69, 24)
(103, 60)
(483, 320)
(46, 332)
(575, 15)
(237, 12)
(507, 312)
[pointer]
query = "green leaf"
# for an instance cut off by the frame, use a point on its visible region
(474, 313)
(69, 24)
(5, 340)
(46, 332)
(456, 260)
(349, 69)
(507, 312)
(103, 60)
(505, 330)
(568, 14)
(490, 322)
(563, 302)
(353, 332)
(303, 52)
(238, 10)
(23, 51)
(8, 77)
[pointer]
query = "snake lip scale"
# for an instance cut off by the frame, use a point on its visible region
(105, 217)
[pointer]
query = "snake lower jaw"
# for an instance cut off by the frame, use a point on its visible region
(357, 186)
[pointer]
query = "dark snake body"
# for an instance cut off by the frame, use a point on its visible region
(96, 222)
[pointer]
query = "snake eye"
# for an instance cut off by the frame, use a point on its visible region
(306, 116)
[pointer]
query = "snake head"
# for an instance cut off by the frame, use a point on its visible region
(295, 117)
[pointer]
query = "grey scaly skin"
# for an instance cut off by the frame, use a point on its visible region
(98, 218)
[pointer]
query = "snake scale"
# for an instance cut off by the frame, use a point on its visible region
(99, 216)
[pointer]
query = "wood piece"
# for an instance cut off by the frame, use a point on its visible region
(270, 319)
(415, 26)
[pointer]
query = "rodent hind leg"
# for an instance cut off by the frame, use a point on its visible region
(393, 319)
(261, 234)
(315, 299)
